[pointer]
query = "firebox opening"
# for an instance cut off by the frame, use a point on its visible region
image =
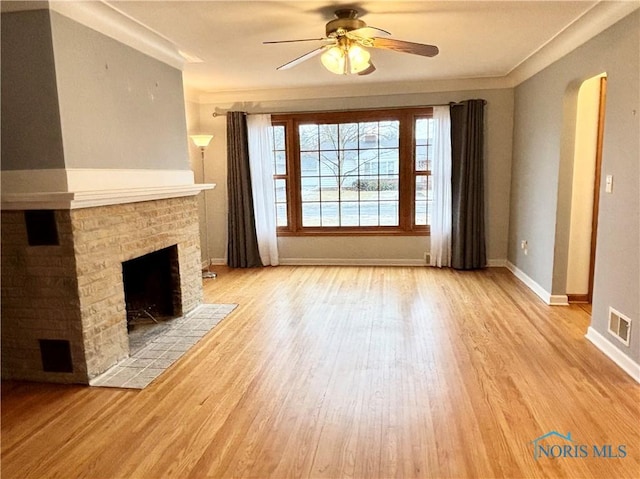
(152, 287)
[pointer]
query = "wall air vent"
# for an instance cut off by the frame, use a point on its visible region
(619, 326)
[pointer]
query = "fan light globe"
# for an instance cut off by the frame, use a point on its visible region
(358, 59)
(201, 141)
(333, 60)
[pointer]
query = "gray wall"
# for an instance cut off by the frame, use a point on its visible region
(498, 148)
(544, 128)
(119, 108)
(31, 134)
(74, 98)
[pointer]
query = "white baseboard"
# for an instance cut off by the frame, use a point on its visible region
(627, 364)
(492, 263)
(550, 299)
(350, 262)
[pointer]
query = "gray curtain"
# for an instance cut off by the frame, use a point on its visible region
(242, 246)
(467, 185)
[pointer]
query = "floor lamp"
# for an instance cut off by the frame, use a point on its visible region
(202, 141)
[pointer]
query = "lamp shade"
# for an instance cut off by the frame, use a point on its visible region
(201, 141)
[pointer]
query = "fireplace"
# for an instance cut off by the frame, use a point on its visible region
(69, 298)
(151, 286)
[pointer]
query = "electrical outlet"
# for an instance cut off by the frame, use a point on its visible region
(524, 246)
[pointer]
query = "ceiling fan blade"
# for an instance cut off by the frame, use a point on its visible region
(300, 40)
(406, 47)
(301, 59)
(369, 70)
(367, 32)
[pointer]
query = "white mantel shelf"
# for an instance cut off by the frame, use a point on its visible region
(87, 199)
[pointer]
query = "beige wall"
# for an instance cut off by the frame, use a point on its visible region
(383, 250)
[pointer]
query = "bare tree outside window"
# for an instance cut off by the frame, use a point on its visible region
(350, 173)
(353, 172)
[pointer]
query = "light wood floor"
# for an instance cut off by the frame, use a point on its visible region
(330, 372)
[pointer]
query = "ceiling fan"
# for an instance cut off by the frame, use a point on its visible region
(344, 48)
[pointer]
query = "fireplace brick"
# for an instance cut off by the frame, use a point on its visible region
(74, 291)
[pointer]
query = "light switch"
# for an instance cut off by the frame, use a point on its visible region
(608, 183)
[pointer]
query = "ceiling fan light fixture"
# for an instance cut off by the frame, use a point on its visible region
(334, 60)
(346, 59)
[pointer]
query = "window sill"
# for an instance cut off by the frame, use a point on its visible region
(307, 232)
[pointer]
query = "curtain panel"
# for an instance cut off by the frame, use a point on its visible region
(261, 163)
(441, 178)
(242, 243)
(467, 185)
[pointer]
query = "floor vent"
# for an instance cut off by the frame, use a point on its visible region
(619, 326)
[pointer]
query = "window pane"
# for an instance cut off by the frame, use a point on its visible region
(421, 213)
(388, 213)
(281, 214)
(329, 163)
(309, 164)
(389, 162)
(421, 200)
(389, 134)
(329, 137)
(310, 189)
(369, 213)
(368, 134)
(278, 137)
(280, 163)
(349, 213)
(328, 188)
(423, 143)
(310, 214)
(309, 138)
(389, 188)
(330, 213)
(368, 187)
(421, 158)
(429, 198)
(348, 136)
(368, 162)
(281, 191)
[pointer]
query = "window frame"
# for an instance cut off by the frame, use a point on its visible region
(407, 170)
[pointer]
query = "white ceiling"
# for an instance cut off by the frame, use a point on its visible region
(477, 39)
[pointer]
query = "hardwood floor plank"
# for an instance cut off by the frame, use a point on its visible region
(356, 372)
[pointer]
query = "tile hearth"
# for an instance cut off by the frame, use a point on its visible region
(148, 362)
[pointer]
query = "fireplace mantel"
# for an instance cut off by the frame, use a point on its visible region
(74, 188)
(87, 199)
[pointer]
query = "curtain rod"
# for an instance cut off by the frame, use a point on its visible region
(215, 114)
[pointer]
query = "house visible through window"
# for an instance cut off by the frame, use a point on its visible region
(362, 172)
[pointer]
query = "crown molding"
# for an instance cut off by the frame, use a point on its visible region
(105, 18)
(593, 22)
(352, 91)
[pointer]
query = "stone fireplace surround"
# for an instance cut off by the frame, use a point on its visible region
(73, 291)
